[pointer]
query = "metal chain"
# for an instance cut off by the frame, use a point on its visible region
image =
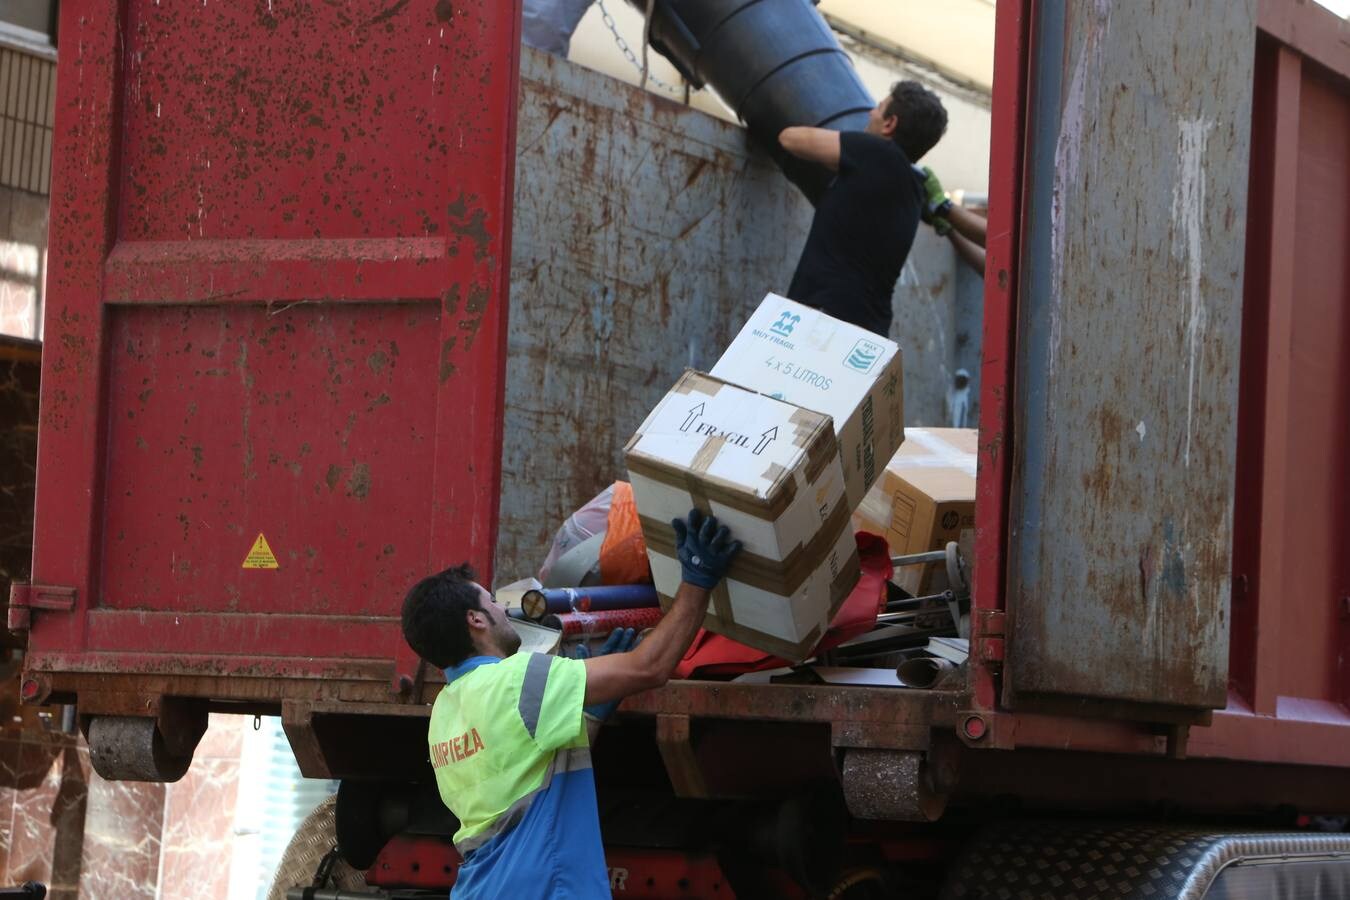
(629, 55)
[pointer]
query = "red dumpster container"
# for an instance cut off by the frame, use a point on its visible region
(273, 387)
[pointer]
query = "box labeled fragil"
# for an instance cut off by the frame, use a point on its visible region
(770, 472)
(799, 354)
(925, 498)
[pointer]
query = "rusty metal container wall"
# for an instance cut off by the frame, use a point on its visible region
(1120, 532)
(645, 234)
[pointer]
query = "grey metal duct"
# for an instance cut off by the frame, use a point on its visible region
(549, 24)
(774, 62)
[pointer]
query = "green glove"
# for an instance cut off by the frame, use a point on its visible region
(936, 203)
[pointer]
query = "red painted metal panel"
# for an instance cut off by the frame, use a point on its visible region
(432, 863)
(1310, 28)
(1000, 295)
(280, 245)
(1291, 624)
(1252, 375)
(1315, 635)
(229, 421)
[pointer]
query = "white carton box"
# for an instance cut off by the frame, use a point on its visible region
(799, 354)
(769, 471)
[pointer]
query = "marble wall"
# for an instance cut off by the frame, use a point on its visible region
(23, 261)
(63, 825)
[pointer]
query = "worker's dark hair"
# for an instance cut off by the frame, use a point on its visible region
(434, 616)
(922, 118)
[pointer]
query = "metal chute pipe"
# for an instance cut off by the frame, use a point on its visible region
(776, 63)
(550, 601)
(923, 672)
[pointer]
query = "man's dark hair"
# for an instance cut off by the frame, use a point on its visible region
(922, 118)
(434, 616)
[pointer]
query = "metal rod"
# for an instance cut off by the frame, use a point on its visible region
(929, 600)
(919, 559)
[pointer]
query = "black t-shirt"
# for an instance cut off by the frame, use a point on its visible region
(863, 229)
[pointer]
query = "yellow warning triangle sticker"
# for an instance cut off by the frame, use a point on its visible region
(261, 556)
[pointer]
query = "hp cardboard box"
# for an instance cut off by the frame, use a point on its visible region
(925, 499)
(807, 358)
(769, 471)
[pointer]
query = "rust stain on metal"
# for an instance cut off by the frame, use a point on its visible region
(471, 224)
(377, 361)
(333, 477)
(450, 300)
(447, 366)
(478, 300)
(389, 13)
(358, 482)
(445, 11)
(602, 183)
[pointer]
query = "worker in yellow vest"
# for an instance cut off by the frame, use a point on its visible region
(509, 736)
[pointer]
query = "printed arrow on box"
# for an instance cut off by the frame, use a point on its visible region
(764, 440)
(694, 415)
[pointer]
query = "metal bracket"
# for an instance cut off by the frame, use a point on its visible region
(297, 720)
(24, 598)
(677, 752)
(987, 639)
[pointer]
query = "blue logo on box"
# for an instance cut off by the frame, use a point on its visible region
(786, 322)
(864, 356)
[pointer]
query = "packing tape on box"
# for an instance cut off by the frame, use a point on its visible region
(783, 576)
(876, 506)
(941, 455)
(721, 597)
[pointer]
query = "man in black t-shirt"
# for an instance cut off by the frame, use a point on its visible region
(866, 219)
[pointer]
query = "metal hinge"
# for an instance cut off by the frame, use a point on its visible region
(24, 598)
(988, 637)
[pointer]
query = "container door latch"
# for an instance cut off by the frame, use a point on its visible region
(24, 598)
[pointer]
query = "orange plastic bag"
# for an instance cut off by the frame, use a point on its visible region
(623, 555)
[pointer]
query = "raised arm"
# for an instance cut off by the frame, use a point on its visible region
(705, 552)
(968, 250)
(969, 225)
(946, 216)
(818, 145)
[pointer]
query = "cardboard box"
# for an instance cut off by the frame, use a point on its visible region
(926, 498)
(807, 358)
(770, 472)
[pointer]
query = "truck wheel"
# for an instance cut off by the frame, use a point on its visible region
(312, 841)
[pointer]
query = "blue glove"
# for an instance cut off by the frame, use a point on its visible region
(620, 640)
(704, 548)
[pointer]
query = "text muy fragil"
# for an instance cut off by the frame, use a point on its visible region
(799, 373)
(457, 750)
